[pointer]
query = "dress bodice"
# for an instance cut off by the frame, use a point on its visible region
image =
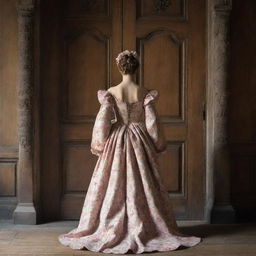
(129, 112)
(116, 115)
(126, 112)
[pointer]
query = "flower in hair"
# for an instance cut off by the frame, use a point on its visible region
(128, 53)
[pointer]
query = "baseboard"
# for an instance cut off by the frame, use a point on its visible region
(225, 214)
(7, 207)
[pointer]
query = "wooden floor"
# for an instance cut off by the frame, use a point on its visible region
(41, 240)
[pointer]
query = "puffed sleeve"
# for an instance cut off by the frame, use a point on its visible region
(104, 119)
(154, 127)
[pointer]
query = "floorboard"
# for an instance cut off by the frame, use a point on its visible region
(41, 240)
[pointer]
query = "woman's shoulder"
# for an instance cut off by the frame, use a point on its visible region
(104, 97)
(145, 94)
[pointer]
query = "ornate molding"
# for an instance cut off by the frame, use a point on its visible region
(221, 49)
(223, 6)
(87, 5)
(25, 10)
(162, 5)
(181, 44)
(25, 212)
(26, 7)
(219, 61)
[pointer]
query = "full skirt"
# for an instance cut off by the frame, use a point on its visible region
(127, 206)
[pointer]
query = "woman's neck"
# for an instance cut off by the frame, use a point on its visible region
(127, 78)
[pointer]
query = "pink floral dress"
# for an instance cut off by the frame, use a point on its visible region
(127, 206)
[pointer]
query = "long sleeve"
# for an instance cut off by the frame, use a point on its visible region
(103, 122)
(154, 127)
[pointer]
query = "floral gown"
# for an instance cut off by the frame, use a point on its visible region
(126, 206)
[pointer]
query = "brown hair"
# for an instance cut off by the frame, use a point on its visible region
(128, 64)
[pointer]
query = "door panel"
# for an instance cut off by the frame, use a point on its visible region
(170, 40)
(88, 49)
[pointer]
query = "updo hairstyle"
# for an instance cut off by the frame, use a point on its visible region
(127, 62)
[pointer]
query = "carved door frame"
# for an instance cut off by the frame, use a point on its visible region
(217, 36)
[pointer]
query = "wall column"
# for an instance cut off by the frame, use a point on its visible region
(222, 211)
(25, 211)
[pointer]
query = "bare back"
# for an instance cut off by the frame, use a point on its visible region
(128, 92)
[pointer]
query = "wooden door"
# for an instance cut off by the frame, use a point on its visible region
(79, 42)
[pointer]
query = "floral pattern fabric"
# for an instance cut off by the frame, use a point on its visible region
(127, 206)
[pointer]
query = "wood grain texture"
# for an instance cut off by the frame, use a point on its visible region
(82, 53)
(41, 240)
(8, 107)
(8, 74)
(173, 61)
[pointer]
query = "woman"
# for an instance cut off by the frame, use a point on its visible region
(127, 206)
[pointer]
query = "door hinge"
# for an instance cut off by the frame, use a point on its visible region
(204, 111)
